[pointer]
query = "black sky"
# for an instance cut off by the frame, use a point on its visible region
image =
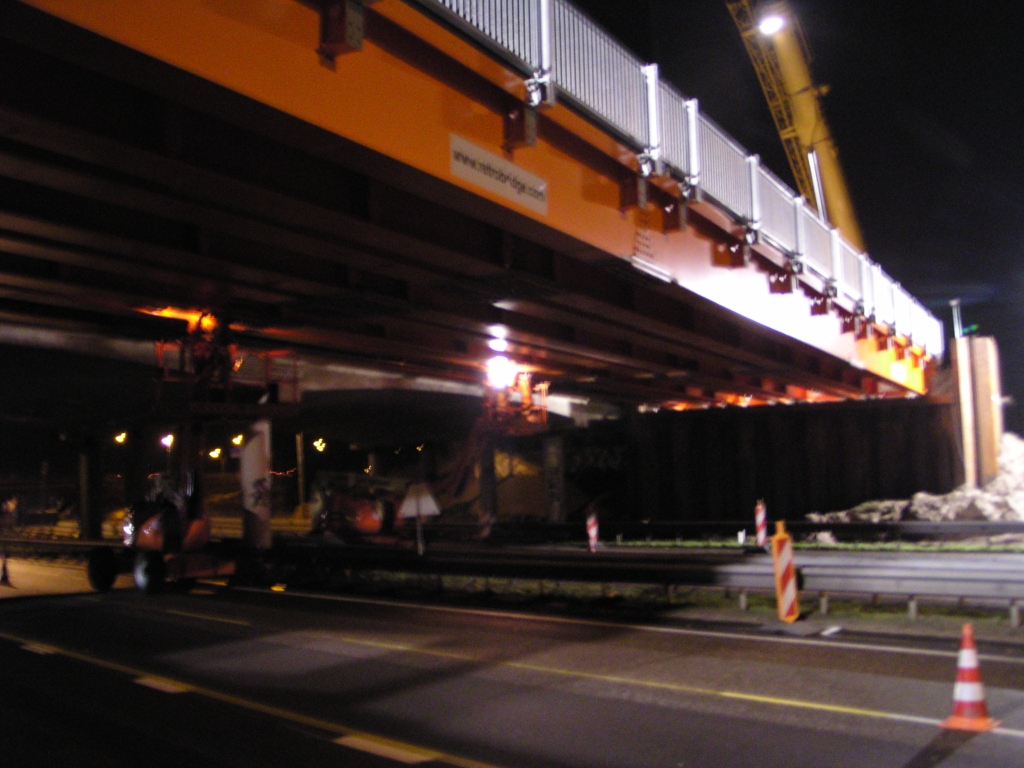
(926, 105)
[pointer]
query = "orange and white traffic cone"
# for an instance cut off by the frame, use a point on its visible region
(592, 532)
(969, 710)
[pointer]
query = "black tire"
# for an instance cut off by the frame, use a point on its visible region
(102, 569)
(150, 571)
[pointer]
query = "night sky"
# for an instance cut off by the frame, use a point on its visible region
(926, 106)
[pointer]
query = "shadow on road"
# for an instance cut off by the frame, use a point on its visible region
(939, 748)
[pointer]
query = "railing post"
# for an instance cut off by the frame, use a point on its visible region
(836, 262)
(801, 236)
(692, 144)
(540, 89)
(650, 161)
(867, 287)
(753, 166)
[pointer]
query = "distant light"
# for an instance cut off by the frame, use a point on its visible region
(498, 345)
(120, 438)
(215, 453)
(320, 444)
(771, 24)
(167, 441)
(501, 372)
(237, 439)
(207, 323)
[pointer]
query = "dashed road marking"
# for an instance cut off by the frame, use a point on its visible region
(42, 650)
(391, 750)
(143, 678)
(163, 684)
(764, 638)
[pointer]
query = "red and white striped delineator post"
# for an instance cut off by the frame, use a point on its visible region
(592, 531)
(969, 710)
(761, 521)
(785, 574)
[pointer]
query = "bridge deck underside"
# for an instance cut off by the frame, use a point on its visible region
(127, 184)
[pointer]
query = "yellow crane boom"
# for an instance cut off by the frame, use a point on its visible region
(781, 62)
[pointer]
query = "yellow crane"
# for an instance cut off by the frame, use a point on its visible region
(777, 49)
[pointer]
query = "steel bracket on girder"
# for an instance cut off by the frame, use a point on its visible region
(520, 126)
(633, 193)
(540, 89)
(821, 305)
(342, 26)
(650, 162)
(674, 216)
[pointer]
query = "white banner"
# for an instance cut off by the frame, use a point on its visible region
(255, 476)
(498, 175)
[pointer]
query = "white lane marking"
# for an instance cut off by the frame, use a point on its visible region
(402, 754)
(647, 628)
(42, 650)
(163, 684)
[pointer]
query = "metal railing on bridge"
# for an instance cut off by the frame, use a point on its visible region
(557, 46)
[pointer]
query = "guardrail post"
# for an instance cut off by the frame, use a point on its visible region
(823, 603)
(650, 160)
(692, 147)
(744, 600)
(801, 238)
(753, 166)
(1014, 614)
(540, 89)
(836, 243)
(912, 608)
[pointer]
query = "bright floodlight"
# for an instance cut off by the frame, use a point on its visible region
(320, 444)
(215, 453)
(167, 441)
(237, 439)
(498, 345)
(120, 437)
(771, 24)
(501, 372)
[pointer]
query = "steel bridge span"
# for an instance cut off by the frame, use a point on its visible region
(392, 185)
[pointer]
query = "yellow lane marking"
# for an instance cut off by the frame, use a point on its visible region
(386, 748)
(255, 706)
(538, 668)
(163, 684)
(42, 650)
(207, 617)
(661, 685)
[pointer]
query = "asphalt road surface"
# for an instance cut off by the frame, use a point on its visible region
(228, 677)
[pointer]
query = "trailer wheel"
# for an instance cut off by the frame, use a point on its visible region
(150, 571)
(102, 568)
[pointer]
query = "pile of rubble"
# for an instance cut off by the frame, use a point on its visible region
(1002, 500)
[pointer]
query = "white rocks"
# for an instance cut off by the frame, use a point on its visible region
(1002, 500)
